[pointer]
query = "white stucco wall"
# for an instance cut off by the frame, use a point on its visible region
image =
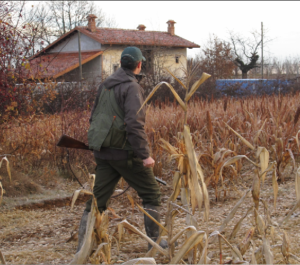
(111, 56)
(163, 57)
(166, 58)
(71, 44)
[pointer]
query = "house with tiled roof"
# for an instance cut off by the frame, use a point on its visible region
(94, 53)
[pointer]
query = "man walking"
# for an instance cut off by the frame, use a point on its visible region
(119, 141)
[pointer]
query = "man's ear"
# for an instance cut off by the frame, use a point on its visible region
(139, 64)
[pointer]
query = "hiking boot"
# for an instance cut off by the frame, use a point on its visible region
(152, 229)
(82, 229)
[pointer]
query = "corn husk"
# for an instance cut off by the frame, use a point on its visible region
(261, 227)
(263, 155)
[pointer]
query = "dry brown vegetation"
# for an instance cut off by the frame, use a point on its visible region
(232, 146)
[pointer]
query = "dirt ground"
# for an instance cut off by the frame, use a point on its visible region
(36, 228)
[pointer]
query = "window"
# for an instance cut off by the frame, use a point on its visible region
(177, 59)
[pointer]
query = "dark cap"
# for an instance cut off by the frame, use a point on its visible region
(134, 53)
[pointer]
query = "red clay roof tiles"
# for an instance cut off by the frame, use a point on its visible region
(57, 64)
(137, 37)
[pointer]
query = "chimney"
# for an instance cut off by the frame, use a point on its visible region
(91, 23)
(141, 27)
(171, 28)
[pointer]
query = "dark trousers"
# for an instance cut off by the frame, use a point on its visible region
(108, 173)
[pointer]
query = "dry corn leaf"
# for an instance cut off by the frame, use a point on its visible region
(266, 213)
(260, 223)
(2, 259)
(294, 257)
(192, 241)
(93, 178)
(181, 232)
(171, 88)
(285, 248)
(297, 184)
(176, 186)
(1, 194)
(127, 225)
(271, 167)
(154, 220)
(244, 245)
(193, 167)
(256, 191)
(239, 223)
(297, 140)
(140, 261)
(232, 160)
(175, 78)
(193, 195)
(195, 86)
(253, 258)
(203, 258)
(168, 147)
(296, 206)
(275, 186)
(241, 137)
(76, 194)
(263, 155)
(131, 200)
(234, 249)
(293, 159)
(204, 190)
(267, 253)
(272, 233)
(232, 212)
(259, 131)
(7, 166)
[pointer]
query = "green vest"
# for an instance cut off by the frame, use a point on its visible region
(107, 128)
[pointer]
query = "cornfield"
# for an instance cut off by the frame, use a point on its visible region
(207, 145)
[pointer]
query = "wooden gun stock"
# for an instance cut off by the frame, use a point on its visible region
(69, 142)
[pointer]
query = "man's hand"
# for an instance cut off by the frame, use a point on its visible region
(148, 162)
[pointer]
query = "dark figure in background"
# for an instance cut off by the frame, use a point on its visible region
(119, 141)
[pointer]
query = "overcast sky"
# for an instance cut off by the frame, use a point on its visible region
(196, 20)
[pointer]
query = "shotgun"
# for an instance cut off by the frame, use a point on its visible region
(69, 142)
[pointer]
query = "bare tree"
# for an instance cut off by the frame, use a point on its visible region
(245, 51)
(55, 18)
